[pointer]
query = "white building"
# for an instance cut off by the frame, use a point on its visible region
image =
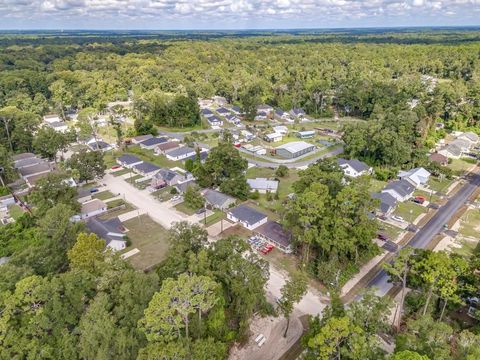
(247, 217)
(417, 176)
(281, 129)
(274, 137)
(263, 185)
(354, 168)
(180, 153)
(90, 209)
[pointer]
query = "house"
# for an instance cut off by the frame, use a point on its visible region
(354, 168)
(112, 231)
(19, 164)
(439, 159)
(294, 149)
(100, 145)
(247, 135)
(279, 114)
(203, 156)
(222, 111)
(232, 119)
(259, 150)
(416, 177)
(183, 186)
(297, 112)
(451, 151)
(264, 108)
(59, 126)
(387, 202)
(469, 136)
(153, 142)
(236, 110)
(401, 190)
(275, 234)
(33, 179)
(180, 153)
(166, 177)
(462, 144)
(280, 129)
(163, 148)
(91, 208)
(128, 161)
(274, 137)
(146, 169)
(6, 200)
(140, 138)
(218, 200)
(261, 115)
(206, 113)
(48, 119)
(263, 185)
(37, 169)
(306, 134)
(247, 217)
(214, 121)
(23, 156)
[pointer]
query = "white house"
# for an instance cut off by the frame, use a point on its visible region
(247, 217)
(214, 121)
(51, 119)
(281, 129)
(90, 209)
(180, 153)
(470, 137)
(263, 185)
(261, 115)
(112, 231)
(274, 137)
(128, 161)
(417, 176)
(59, 126)
(451, 151)
(462, 144)
(354, 168)
(401, 190)
(247, 135)
(297, 112)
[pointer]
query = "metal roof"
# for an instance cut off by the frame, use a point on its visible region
(355, 164)
(263, 184)
(146, 167)
(180, 151)
(154, 141)
(274, 231)
(217, 198)
(108, 230)
(296, 146)
(129, 159)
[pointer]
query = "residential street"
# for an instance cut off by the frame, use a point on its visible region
(433, 227)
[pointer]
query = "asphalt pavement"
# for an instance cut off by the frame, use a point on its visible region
(436, 224)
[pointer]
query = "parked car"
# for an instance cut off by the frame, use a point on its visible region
(382, 237)
(419, 199)
(115, 167)
(94, 190)
(397, 218)
(200, 211)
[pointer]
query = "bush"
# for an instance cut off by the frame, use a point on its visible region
(269, 196)
(255, 195)
(281, 171)
(173, 191)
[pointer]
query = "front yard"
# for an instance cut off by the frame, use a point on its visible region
(103, 195)
(409, 210)
(148, 237)
(461, 165)
(439, 185)
(212, 219)
(182, 207)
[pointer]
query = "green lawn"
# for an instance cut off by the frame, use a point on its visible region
(132, 179)
(103, 195)
(121, 172)
(470, 224)
(15, 211)
(148, 237)
(182, 207)
(214, 218)
(114, 203)
(439, 185)
(461, 165)
(389, 230)
(110, 215)
(433, 198)
(149, 156)
(409, 210)
(163, 194)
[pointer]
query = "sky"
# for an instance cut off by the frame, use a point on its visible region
(234, 14)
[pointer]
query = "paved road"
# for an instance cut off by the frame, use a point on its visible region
(432, 228)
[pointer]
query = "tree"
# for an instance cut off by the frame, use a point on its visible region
(399, 271)
(193, 199)
(88, 164)
(86, 253)
(8, 172)
(49, 142)
(281, 171)
(52, 190)
(408, 355)
(292, 292)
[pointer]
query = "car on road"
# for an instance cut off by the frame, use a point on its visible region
(382, 236)
(94, 190)
(397, 218)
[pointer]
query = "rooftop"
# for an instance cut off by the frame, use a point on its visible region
(99, 145)
(108, 230)
(263, 184)
(355, 164)
(296, 146)
(275, 231)
(402, 187)
(217, 198)
(247, 214)
(141, 138)
(154, 141)
(128, 159)
(203, 156)
(146, 167)
(23, 156)
(93, 205)
(168, 145)
(180, 151)
(387, 201)
(35, 169)
(182, 187)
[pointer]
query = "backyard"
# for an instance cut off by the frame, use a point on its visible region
(148, 237)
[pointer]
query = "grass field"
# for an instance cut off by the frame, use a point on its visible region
(103, 195)
(182, 207)
(163, 194)
(470, 224)
(15, 211)
(433, 198)
(377, 185)
(461, 165)
(214, 218)
(128, 207)
(439, 185)
(409, 210)
(391, 231)
(114, 203)
(148, 237)
(121, 172)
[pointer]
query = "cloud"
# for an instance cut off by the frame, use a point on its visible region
(232, 13)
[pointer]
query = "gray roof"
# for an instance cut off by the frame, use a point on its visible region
(146, 167)
(247, 214)
(387, 201)
(35, 169)
(206, 112)
(263, 184)
(296, 146)
(23, 156)
(402, 187)
(166, 174)
(275, 231)
(180, 151)
(203, 156)
(57, 124)
(106, 229)
(222, 110)
(217, 198)
(27, 162)
(279, 112)
(154, 141)
(453, 149)
(141, 138)
(357, 165)
(182, 187)
(99, 145)
(298, 111)
(128, 159)
(261, 113)
(213, 119)
(236, 108)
